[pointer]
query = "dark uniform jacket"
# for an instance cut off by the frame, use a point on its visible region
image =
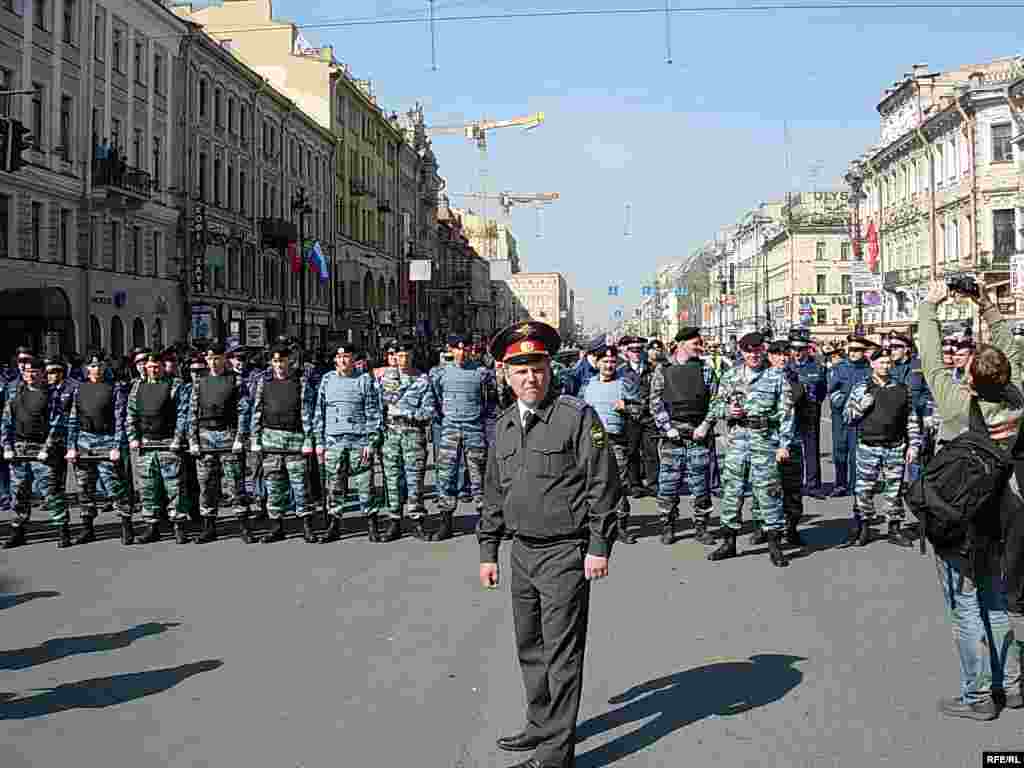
(560, 481)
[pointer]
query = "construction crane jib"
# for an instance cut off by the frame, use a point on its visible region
(477, 129)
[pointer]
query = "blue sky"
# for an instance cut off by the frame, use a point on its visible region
(690, 146)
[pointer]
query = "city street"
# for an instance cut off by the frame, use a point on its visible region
(355, 654)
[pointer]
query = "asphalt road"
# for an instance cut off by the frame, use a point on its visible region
(356, 654)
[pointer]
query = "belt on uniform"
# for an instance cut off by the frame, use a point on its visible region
(754, 422)
(882, 443)
(533, 541)
(404, 421)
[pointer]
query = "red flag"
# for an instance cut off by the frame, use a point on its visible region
(295, 256)
(872, 246)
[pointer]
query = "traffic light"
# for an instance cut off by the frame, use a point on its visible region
(20, 140)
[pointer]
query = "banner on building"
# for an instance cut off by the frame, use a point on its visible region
(1017, 275)
(708, 312)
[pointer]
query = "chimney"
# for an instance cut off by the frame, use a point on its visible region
(920, 70)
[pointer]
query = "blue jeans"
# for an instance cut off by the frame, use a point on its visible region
(982, 634)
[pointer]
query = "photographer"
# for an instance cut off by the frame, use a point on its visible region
(972, 581)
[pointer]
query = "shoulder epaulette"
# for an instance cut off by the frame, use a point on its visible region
(573, 402)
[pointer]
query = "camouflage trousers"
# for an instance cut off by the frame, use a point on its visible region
(24, 474)
(679, 457)
(99, 478)
(474, 452)
(792, 484)
(620, 450)
(158, 479)
(751, 454)
(879, 470)
(345, 467)
(220, 474)
(405, 456)
(284, 472)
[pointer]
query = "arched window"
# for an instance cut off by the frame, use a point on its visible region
(392, 298)
(158, 334)
(138, 333)
(116, 336)
(368, 291)
(381, 291)
(95, 333)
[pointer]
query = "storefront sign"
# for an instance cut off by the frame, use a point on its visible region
(1017, 275)
(256, 332)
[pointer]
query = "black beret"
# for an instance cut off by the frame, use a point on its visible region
(404, 345)
(751, 340)
(686, 333)
(778, 347)
(518, 343)
(347, 349)
(281, 349)
(217, 348)
(901, 337)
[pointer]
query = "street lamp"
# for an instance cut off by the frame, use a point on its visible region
(301, 206)
(855, 180)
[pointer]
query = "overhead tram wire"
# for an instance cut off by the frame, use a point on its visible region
(931, 5)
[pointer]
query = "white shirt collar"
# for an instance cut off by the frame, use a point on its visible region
(524, 409)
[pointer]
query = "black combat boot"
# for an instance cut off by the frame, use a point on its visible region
(701, 532)
(727, 548)
(898, 535)
(793, 537)
(180, 534)
(333, 532)
(276, 532)
(152, 533)
(18, 537)
(88, 532)
(444, 530)
(209, 531)
(245, 527)
(127, 531)
(668, 530)
(372, 531)
(419, 530)
(865, 534)
(393, 532)
(65, 536)
(853, 537)
(779, 559)
(625, 536)
(758, 537)
(309, 534)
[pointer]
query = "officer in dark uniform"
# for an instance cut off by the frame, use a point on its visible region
(813, 380)
(552, 482)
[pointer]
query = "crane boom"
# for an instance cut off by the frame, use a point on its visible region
(474, 128)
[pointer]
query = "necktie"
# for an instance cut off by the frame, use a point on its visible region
(529, 419)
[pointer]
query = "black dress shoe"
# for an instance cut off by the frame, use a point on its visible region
(520, 742)
(531, 763)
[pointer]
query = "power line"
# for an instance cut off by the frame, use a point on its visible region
(619, 12)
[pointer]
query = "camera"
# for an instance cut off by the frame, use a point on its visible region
(965, 285)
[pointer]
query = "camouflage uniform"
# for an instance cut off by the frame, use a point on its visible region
(157, 462)
(881, 463)
(683, 451)
(766, 396)
(26, 446)
(347, 420)
(221, 432)
(409, 402)
(284, 465)
(93, 468)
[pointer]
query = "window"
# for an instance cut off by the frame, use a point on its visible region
(217, 114)
(158, 73)
(953, 240)
(94, 243)
(115, 246)
(819, 251)
(116, 336)
(140, 61)
(822, 316)
(230, 196)
(70, 25)
(95, 333)
(37, 230)
(155, 170)
(138, 333)
(845, 285)
(202, 176)
(40, 13)
(243, 119)
(242, 181)
(953, 159)
(234, 269)
(1003, 235)
(154, 268)
(216, 181)
(844, 251)
(65, 235)
(231, 114)
(5, 225)
(822, 281)
(266, 201)
(99, 35)
(940, 164)
(1002, 147)
(6, 84)
(202, 97)
(115, 51)
(847, 314)
(65, 128)
(137, 148)
(37, 117)
(132, 257)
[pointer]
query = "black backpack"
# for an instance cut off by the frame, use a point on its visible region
(956, 497)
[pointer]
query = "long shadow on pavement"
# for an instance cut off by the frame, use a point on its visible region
(9, 601)
(62, 647)
(723, 689)
(99, 692)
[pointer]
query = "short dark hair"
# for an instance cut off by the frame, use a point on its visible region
(989, 368)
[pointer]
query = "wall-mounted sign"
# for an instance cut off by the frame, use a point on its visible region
(256, 332)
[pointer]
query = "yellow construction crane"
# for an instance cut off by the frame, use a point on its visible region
(509, 199)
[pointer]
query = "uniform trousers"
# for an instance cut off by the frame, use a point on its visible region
(792, 490)
(620, 444)
(24, 475)
(95, 475)
(751, 455)
(679, 457)
(345, 467)
(550, 607)
(405, 460)
(284, 472)
(879, 470)
(215, 470)
(810, 442)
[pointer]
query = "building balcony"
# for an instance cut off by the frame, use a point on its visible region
(121, 184)
(277, 233)
(384, 206)
(357, 187)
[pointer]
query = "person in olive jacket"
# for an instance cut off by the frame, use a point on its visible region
(552, 483)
